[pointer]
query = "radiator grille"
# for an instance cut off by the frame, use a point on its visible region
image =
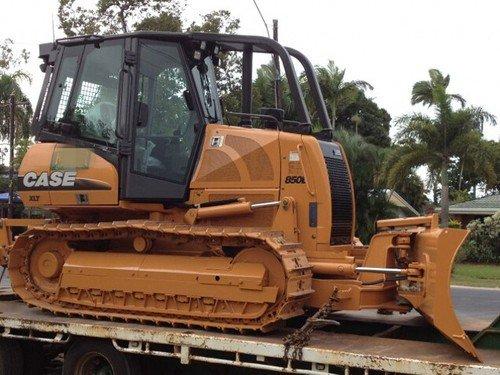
(341, 193)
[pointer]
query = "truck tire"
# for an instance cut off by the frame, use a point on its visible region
(11, 358)
(34, 359)
(96, 356)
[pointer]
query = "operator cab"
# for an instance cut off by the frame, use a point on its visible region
(141, 101)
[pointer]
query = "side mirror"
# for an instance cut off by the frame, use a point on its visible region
(142, 114)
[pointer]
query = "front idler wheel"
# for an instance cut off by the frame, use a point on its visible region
(46, 263)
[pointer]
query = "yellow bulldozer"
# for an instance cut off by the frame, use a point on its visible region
(168, 214)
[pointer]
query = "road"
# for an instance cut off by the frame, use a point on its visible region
(476, 308)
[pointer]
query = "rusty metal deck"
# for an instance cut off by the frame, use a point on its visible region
(332, 351)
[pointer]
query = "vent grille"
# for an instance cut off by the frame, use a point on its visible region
(341, 192)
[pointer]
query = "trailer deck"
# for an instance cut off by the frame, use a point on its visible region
(327, 352)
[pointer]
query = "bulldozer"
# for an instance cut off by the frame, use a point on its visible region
(167, 212)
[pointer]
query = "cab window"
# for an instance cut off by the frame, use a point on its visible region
(85, 98)
(165, 123)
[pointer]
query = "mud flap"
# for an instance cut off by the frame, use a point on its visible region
(434, 251)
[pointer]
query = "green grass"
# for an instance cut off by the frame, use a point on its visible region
(486, 275)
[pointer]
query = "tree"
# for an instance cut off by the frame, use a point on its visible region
(165, 21)
(115, 16)
(123, 16)
(348, 106)
(479, 165)
(263, 90)
(365, 161)
(337, 92)
(228, 72)
(10, 85)
(11, 77)
(366, 118)
(263, 87)
(412, 189)
(118, 16)
(434, 141)
(22, 146)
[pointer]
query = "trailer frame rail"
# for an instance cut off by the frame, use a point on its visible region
(265, 352)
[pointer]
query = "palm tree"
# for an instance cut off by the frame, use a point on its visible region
(435, 141)
(10, 85)
(433, 92)
(365, 161)
(477, 164)
(337, 92)
(263, 91)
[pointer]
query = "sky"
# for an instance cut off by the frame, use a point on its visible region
(389, 43)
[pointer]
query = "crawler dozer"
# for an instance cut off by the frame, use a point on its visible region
(168, 213)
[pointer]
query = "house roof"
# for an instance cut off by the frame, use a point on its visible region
(482, 206)
(397, 200)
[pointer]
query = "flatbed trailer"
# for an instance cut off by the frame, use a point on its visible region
(326, 352)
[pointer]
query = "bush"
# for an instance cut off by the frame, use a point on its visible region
(482, 245)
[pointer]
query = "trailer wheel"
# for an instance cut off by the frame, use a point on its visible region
(11, 359)
(89, 357)
(34, 359)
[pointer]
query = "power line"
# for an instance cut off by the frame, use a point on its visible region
(277, 90)
(263, 19)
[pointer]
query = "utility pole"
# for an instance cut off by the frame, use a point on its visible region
(278, 102)
(12, 106)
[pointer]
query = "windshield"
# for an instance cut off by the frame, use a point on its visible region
(86, 97)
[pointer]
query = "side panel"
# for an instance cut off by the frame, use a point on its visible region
(236, 162)
(299, 181)
(264, 165)
(235, 157)
(37, 160)
(62, 175)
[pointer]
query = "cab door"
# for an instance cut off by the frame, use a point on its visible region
(164, 132)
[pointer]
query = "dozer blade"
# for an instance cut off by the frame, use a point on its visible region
(435, 250)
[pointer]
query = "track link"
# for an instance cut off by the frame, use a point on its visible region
(123, 304)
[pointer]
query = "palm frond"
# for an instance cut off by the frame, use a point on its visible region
(415, 116)
(481, 116)
(422, 93)
(362, 85)
(20, 76)
(459, 99)
(418, 128)
(403, 159)
(438, 79)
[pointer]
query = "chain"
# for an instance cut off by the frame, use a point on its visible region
(301, 336)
